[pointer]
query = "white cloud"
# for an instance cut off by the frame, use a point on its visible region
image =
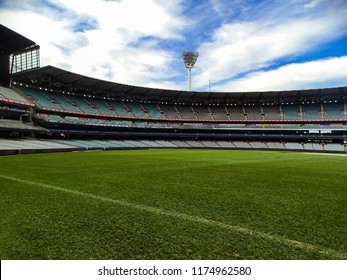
(126, 41)
(312, 4)
(112, 48)
(141, 18)
(316, 74)
(244, 46)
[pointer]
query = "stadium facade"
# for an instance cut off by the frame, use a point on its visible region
(45, 109)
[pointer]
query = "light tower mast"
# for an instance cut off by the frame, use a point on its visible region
(189, 59)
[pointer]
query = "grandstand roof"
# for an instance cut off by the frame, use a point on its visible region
(12, 42)
(62, 80)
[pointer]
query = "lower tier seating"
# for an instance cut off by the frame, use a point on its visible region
(40, 144)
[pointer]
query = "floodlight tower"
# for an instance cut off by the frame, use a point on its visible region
(189, 59)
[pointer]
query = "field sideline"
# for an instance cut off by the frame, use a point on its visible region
(173, 204)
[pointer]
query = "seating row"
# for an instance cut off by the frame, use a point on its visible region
(9, 95)
(37, 144)
(18, 125)
(53, 101)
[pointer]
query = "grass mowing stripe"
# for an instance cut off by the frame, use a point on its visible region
(276, 238)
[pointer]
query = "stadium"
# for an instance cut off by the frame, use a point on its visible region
(165, 174)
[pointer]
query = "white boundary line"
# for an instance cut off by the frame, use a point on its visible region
(326, 154)
(276, 238)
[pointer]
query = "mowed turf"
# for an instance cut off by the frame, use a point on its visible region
(173, 204)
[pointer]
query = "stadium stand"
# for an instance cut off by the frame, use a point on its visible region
(236, 113)
(58, 106)
(202, 112)
(9, 95)
(185, 112)
(101, 106)
(312, 112)
(95, 106)
(39, 98)
(210, 144)
(292, 112)
(32, 144)
(153, 111)
(271, 145)
(225, 144)
(242, 145)
(294, 146)
(136, 109)
(166, 144)
(335, 110)
(169, 111)
(335, 147)
(218, 112)
(42, 145)
(254, 113)
(271, 112)
(258, 145)
(18, 125)
(80, 104)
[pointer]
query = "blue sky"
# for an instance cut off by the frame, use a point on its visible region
(244, 45)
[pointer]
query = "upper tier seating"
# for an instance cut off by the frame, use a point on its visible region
(334, 111)
(236, 113)
(186, 112)
(40, 99)
(63, 101)
(10, 94)
(82, 104)
(49, 100)
(170, 111)
(291, 112)
(271, 112)
(153, 110)
(136, 109)
(312, 112)
(119, 108)
(101, 106)
(202, 112)
(218, 113)
(254, 113)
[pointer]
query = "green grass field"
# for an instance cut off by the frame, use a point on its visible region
(173, 204)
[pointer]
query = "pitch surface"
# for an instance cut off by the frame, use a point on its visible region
(173, 204)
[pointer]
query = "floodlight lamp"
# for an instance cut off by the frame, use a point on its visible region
(189, 59)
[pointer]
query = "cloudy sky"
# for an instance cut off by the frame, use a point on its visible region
(244, 45)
